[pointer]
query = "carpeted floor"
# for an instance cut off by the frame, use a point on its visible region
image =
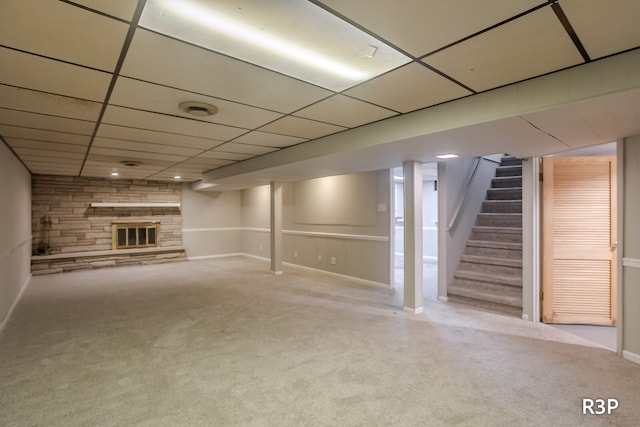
(224, 343)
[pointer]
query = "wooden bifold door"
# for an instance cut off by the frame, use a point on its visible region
(579, 240)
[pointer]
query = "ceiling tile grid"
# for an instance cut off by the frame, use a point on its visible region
(84, 85)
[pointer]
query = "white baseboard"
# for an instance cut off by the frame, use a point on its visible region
(194, 258)
(631, 356)
(414, 310)
(342, 276)
(15, 303)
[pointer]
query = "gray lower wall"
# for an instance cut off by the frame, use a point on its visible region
(630, 277)
(15, 229)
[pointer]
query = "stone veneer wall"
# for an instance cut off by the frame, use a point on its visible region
(80, 236)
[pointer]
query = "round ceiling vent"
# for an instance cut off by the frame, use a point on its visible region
(199, 109)
(130, 163)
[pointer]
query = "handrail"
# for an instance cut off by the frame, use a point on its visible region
(456, 213)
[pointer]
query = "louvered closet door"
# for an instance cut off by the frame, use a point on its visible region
(579, 240)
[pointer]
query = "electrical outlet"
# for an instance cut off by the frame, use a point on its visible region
(332, 260)
(260, 248)
(319, 258)
(295, 254)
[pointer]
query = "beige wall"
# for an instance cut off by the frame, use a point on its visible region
(355, 231)
(630, 288)
(256, 239)
(15, 229)
(211, 223)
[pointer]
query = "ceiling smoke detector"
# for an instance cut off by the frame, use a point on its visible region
(130, 163)
(199, 109)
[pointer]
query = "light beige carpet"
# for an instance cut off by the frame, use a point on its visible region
(225, 343)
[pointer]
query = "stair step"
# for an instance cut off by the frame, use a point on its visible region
(511, 170)
(504, 193)
(497, 234)
(510, 161)
(502, 206)
(494, 249)
(505, 262)
(493, 269)
(507, 182)
(488, 280)
(511, 297)
(491, 219)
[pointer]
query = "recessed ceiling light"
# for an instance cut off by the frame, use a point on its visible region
(114, 174)
(447, 156)
(177, 177)
(199, 109)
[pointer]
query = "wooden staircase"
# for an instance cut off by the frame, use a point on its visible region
(489, 275)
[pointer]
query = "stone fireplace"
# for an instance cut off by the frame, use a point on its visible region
(94, 223)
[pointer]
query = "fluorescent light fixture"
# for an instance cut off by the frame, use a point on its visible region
(293, 37)
(447, 156)
(255, 36)
(177, 177)
(114, 174)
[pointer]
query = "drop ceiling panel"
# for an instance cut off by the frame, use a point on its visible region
(302, 128)
(145, 157)
(417, 25)
(151, 97)
(224, 155)
(43, 135)
(408, 88)
(123, 9)
(512, 52)
(153, 121)
(32, 153)
(145, 147)
(46, 168)
(203, 164)
(44, 103)
(41, 121)
(159, 59)
(33, 72)
(185, 175)
(269, 139)
(233, 147)
(28, 25)
(155, 137)
(46, 146)
(344, 111)
(98, 167)
(44, 158)
(604, 27)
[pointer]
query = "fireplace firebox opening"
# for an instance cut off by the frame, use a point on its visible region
(135, 235)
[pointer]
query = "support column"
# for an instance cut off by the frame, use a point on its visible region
(413, 298)
(276, 228)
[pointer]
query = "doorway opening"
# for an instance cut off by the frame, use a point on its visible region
(429, 230)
